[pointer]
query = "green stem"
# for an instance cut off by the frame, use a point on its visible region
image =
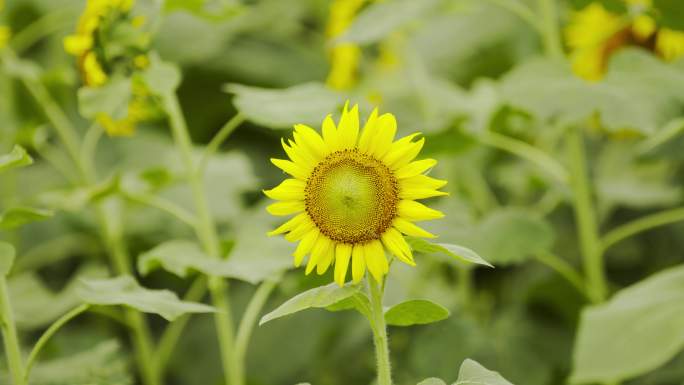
(206, 232)
(9, 334)
(53, 22)
(521, 10)
(642, 224)
(526, 151)
(549, 26)
(564, 269)
(249, 319)
(379, 333)
(112, 237)
(219, 138)
(173, 332)
(586, 222)
(48, 334)
(163, 205)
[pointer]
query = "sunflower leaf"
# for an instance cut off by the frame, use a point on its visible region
(281, 108)
(462, 253)
(18, 157)
(415, 312)
(432, 381)
(7, 255)
(18, 216)
(320, 297)
(124, 290)
(111, 99)
(646, 317)
(472, 373)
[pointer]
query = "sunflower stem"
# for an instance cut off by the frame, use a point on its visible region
(549, 26)
(206, 232)
(9, 336)
(379, 328)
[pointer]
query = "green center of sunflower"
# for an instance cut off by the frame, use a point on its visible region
(351, 197)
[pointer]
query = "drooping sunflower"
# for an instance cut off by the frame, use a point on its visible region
(353, 195)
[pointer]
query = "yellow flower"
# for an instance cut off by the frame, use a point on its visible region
(670, 44)
(587, 36)
(344, 58)
(5, 35)
(94, 74)
(353, 195)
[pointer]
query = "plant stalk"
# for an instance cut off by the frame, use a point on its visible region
(379, 327)
(9, 336)
(586, 222)
(549, 25)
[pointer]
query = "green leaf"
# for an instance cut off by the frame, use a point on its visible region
(512, 236)
(459, 252)
(183, 257)
(639, 92)
(415, 312)
(124, 290)
(637, 331)
(103, 364)
(320, 297)
(161, 77)
(358, 301)
(380, 19)
(472, 373)
(18, 216)
(7, 255)
(18, 157)
(75, 199)
(111, 99)
(432, 381)
(306, 103)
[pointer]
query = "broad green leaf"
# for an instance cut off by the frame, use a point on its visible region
(18, 157)
(358, 301)
(18, 216)
(380, 19)
(183, 257)
(415, 312)
(103, 364)
(512, 235)
(472, 373)
(162, 77)
(7, 255)
(638, 93)
(124, 290)
(635, 332)
(306, 103)
(459, 252)
(432, 381)
(111, 99)
(320, 297)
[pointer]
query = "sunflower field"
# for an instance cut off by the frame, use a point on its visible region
(342, 192)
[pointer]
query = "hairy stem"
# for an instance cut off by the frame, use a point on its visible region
(379, 327)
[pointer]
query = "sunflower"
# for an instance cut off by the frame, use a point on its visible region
(344, 58)
(353, 195)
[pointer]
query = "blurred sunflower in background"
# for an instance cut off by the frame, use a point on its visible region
(354, 195)
(344, 58)
(593, 34)
(110, 42)
(5, 32)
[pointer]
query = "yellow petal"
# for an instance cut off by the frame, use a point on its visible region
(415, 168)
(285, 208)
(349, 127)
(330, 135)
(395, 243)
(386, 129)
(423, 181)
(342, 256)
(301, 230)
(305, 151)
(288, 190)
(410, 228)
(312, 140)
(289, 225)
(368, 133)
(358, 263)
(291, 168)
(419, 193)
(414, 211)
(326, 260)
(375, 259)
(319, 250)
(305, 246)
(299, 157)
(403, 151)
